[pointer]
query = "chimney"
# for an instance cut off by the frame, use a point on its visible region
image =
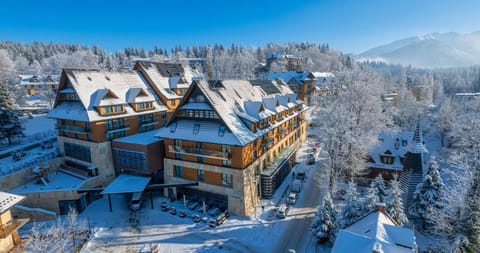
(380, 207)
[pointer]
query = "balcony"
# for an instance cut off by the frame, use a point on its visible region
(73, 129)
(199, 152)
(117, 128)
(148, 122)
(11, 226)
(267, 141)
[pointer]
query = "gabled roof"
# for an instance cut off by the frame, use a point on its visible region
(375, 230)
(8, 200)
(391, 144)
(233, 101)
(138, 95)
(168, 76)
(100, 88)
(39, 79)
(291, 77)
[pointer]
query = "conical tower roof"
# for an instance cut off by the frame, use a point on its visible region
(416, 146)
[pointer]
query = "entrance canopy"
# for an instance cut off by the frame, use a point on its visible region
(127, 184)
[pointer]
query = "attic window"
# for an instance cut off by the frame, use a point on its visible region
(221, 131)
(196, 128)
(404, 143)
(108, 78)
(173, 127)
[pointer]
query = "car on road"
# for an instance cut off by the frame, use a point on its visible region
(300, 175)
(296, 186)
(283, 211)
(182, 214)
(310, 159)
(292, 198)
(173, 211)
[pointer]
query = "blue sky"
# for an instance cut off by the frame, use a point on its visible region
(352, 26)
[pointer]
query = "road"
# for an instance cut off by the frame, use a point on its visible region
(297, 236)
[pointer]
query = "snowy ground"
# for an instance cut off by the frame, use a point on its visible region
(113, 231)
(37, 130)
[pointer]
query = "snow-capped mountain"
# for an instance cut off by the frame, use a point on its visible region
(436, 50)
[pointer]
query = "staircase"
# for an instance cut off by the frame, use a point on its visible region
(409, 179)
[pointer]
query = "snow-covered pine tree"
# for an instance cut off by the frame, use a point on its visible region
(377, 193)
(428, 197)
(395, 203)
(352, 210)
(471, 223)
(323, 225)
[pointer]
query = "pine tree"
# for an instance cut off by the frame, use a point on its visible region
(470, 226)
(428, 198)
(377, 193)
(323, 225)
(395, 203)
(352, 210)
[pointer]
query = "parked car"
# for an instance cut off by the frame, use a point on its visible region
(300, 175)
(214, 211)
(136, 201)
(310, 159)
(164, 206)
(297, 186)
(212, 223)
(196, 218)
(283, 211)
(173, 210)
(292, 198)
(182, 214)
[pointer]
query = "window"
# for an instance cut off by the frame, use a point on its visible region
(178, 142)
(164, 114)
(221, 131)
(200, 174)
(129, 159)
(226, 149)
(227, 180)
(227, 163)
(387, 159)
(196, 128)
(79, 152)
(178, 171)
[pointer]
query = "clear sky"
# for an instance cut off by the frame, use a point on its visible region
(352, 26)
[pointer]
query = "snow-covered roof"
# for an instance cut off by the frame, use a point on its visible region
(126, 184)
(39, 79)
(99, 88)
(289, 76)
(323, 74)
(141, 138)
(232, 100)
(375, 230)
(8, 200)
(168, 76)
(417, 146)
(391, 144)
(57, 181)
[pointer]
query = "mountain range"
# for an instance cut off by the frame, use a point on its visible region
(436, 50)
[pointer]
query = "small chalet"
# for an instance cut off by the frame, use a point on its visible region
(376, 232)
(9, 237)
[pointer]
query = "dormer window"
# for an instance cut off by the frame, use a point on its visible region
(143, 106)
(111, 109)
(404, 143)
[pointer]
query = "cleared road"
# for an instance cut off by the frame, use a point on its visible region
(297, 236)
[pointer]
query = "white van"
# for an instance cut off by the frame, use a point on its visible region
(136, 201)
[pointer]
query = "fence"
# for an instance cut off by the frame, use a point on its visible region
(28, 162)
